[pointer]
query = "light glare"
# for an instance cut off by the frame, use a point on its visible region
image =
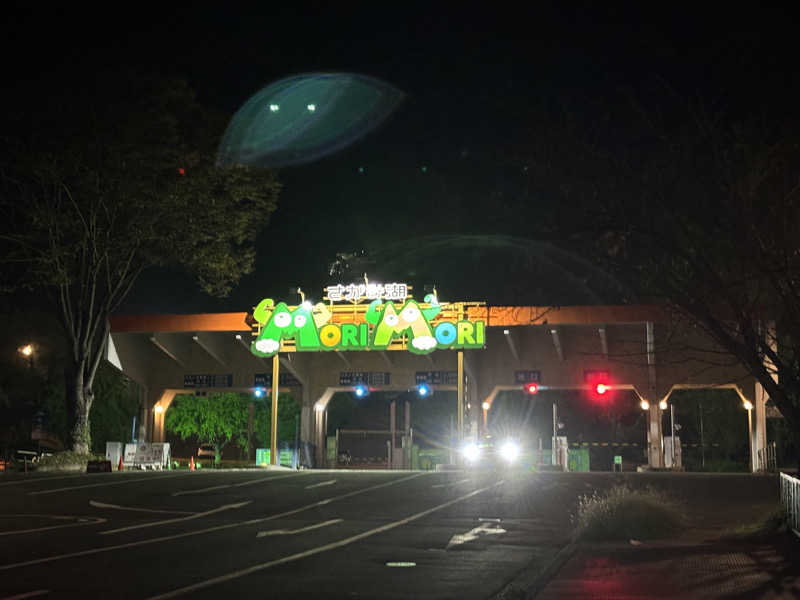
(510, 451)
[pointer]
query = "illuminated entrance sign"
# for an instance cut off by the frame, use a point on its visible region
(418, 328)
(355, 292)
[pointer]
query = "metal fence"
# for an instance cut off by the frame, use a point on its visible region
(767, 458)
(790, 499)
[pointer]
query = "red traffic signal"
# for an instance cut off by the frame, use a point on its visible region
(531, 388)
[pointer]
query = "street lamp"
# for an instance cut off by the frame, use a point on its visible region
(27, 351)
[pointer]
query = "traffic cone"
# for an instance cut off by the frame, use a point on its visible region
(120, 466)
(191, 464)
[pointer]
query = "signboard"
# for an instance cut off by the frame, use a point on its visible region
(355, 292)
(617, 460)
(367, 378)
(527, 376)
(311, 329)
(264, 380)
(592, 376)
(155, 456)
(208, 381)
(436, 377)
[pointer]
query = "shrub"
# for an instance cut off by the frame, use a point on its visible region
(624, 513)
(67, 460)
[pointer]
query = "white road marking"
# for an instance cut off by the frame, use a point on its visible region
(35, 479)
(97, 504)
(79, 522)
(441, 485)
(295, 531)
(105, 484)
(319, 549)
(474, 534)
(32, 594)
(166, 538)
(178, 519)
(316, 485)
(242, 484)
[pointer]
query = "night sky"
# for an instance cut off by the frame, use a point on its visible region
(470, 79)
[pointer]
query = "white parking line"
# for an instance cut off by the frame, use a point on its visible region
(105, 484)
(79, 521)
(296, 531)
(36, 479)
(97, 504)
(178, 519)
(166, 538)
(32, 594)
(441, 485)
(319, 549)
(323, 483)
(242, 484)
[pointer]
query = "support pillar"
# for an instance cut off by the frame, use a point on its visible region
(392, 427)
(273, 443)
(655, 440)
(460, 415)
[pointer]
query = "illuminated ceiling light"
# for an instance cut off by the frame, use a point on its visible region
(485, 406)
(506, 332)
(747, 405)
(195, 338)
(238, 336)
(644, 404)
(311, 107)
(662, 405)
(274, 108)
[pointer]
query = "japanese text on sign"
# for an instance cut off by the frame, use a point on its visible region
(207, 381)
(355, 292)
(436, 377)
(527, 376)
(367, 378)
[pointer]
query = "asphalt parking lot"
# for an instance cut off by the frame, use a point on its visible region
(309, 534)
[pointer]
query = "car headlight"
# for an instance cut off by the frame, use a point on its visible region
(471, 452)
(510, 451)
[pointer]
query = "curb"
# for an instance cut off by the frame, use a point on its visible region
(527, 585)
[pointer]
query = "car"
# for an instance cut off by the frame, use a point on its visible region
(207, 451)
(490, 453)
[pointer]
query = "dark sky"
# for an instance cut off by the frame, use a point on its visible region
(470, 76)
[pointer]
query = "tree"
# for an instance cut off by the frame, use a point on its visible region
(695, 207)
(107, 179)
(214, 419)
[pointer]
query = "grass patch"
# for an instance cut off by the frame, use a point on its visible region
(623, 513)
(774, 523)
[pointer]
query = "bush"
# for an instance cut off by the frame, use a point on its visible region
(625, 513)
(67, 461)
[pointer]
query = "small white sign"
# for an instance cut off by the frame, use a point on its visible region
(355, 292)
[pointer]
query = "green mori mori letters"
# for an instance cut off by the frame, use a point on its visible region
(312, 331)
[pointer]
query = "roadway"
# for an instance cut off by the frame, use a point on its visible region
(309, 534)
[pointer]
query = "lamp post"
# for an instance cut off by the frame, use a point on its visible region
(748, 406)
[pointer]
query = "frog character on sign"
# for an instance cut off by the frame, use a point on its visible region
(411, 320)
(279, 323)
